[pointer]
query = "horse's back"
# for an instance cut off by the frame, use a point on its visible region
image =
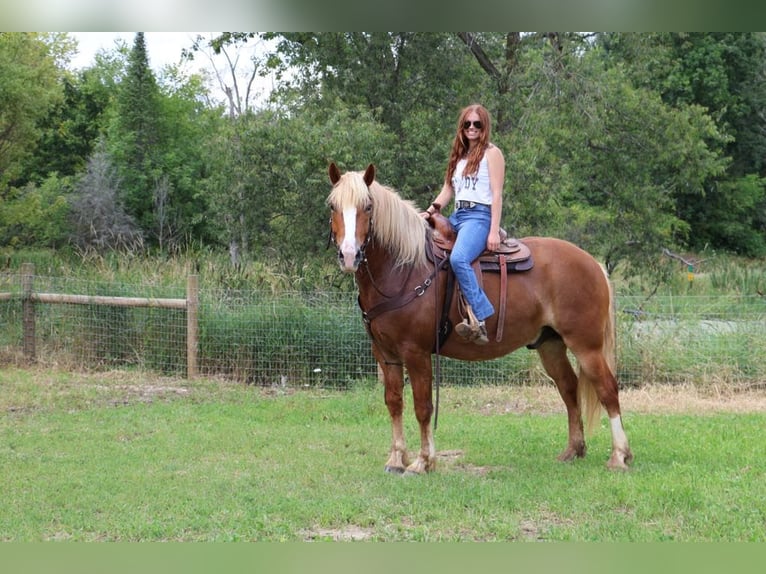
(569, 284)
(558, 257)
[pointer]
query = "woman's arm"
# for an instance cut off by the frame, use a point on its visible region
(442, 200)
(496, 165)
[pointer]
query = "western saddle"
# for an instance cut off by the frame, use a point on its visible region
(512, 256)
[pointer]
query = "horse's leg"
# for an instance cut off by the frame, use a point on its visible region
(595, 371)
(420, 373)
(553, 354)
(392, 376)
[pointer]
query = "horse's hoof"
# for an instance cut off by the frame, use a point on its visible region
(619, 461)
(570, 454)
(394, 469)
(566, 456)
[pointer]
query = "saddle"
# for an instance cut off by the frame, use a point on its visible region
(512, 256)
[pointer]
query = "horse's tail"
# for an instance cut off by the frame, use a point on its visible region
(610, 334)
(589, 400)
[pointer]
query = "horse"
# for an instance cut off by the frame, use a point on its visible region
(564, 302)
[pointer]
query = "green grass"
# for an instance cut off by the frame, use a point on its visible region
(118, 456)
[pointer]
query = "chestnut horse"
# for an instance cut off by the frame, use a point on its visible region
(381, 238)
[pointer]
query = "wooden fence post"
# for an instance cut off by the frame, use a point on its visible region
(192, 325)
(28, 307)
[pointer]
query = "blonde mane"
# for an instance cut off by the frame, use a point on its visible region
(396, 222)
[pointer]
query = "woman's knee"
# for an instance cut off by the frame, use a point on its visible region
(458, 260)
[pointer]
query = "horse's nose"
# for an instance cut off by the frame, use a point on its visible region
(349, 259)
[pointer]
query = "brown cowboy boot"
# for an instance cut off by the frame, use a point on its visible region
(472, 329)
(476, 333)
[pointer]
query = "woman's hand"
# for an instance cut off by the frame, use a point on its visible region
(493, 240)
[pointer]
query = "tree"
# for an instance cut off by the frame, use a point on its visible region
(29, 88)
(232, 167)
(136, 138)
(724, 73)
(36, 215)
(68, 134)
(155, 140)
(99, 220)
(187, 126)
(598, 161)
(267, 193)
(591, 157)
(413, 83)
(244, 63)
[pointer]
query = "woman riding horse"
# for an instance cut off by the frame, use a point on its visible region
(564, 302)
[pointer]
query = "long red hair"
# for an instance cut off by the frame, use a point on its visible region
(460, 143)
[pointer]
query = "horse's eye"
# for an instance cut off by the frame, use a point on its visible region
(368, 208)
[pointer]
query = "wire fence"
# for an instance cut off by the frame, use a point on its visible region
(318, 339)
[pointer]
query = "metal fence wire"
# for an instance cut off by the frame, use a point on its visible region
(318, 340)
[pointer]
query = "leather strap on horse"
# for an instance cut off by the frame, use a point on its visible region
(437, 360)
(443, 330)
(400, 299)
(503, 294)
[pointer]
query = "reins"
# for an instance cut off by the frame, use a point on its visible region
(437, 346)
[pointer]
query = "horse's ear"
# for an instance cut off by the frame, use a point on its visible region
(334, 173)
(369, 175)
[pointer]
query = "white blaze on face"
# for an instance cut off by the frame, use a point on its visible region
(348, 246)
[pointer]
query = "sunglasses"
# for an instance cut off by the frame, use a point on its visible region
(477, 124)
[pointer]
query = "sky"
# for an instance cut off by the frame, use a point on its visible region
(162, 47)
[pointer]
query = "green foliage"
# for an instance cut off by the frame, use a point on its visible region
(382, 71)
(627, 144)
(72, 129)
(723, 72)
(136, 136)
(599, 162)
(733, 217)
(274, 201)
(29, 89)
(180, 209)
(282, 341)
(36, 216)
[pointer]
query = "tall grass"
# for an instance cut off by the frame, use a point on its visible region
(713, 274)
(278, 340)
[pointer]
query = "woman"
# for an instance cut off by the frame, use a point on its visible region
(475, 176)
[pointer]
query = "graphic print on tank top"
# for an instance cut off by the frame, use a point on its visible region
(462, 182)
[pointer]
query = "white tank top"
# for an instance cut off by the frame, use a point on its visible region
(474, 187)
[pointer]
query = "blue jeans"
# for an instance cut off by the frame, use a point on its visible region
(472, 227)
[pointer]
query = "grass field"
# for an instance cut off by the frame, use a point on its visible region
(121, 456)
